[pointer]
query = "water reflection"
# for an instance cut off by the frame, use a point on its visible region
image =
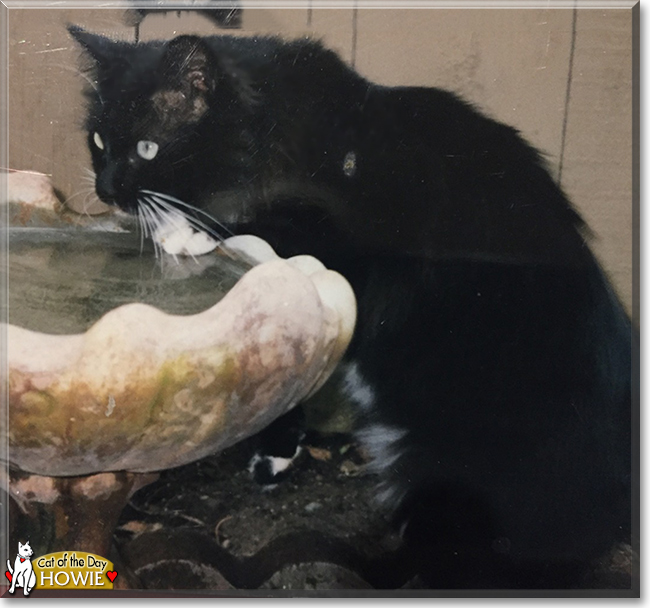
(62, 279)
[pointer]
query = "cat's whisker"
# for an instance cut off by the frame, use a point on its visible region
(88, 177)
(154, 216)
(195, 223)
(154, 226)
(83, 191)
(146, 228)
(172, 215)
(198, 225)
(151, 223)
(90, 198)
(140, 229)
(140, 226)
(143, 223)
(162, 219)
(171, 212)
(164, 216)
(176, 201)
(164, 201)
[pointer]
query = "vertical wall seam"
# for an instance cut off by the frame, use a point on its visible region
(309, 13)
(353, 56)
(636, 166)
(567, 96)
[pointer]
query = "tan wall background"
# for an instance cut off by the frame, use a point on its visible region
(561, 76)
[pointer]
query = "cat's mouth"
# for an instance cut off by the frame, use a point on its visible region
(175, 226)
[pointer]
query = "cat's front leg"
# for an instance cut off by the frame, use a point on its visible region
(30, 581)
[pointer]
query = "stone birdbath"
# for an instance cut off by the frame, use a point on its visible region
(121, 363)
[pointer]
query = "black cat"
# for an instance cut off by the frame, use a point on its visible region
(492, 360)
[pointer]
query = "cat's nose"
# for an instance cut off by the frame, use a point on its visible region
(107, 184)
(105, 189)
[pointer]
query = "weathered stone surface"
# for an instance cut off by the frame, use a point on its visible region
(31, 188)
(144, 390)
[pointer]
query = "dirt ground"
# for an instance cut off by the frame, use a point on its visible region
(209, 525)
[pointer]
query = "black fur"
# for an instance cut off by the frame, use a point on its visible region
(497, 353)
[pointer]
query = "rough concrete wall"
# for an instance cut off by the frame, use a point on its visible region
(562, 76)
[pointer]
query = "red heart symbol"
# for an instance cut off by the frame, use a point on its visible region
(111, 575)
(8, 575)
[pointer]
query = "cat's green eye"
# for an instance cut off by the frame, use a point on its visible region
(98, 141)
(147, 149)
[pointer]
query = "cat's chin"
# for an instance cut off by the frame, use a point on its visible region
(177, 237)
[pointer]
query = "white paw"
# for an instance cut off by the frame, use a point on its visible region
(267, 470)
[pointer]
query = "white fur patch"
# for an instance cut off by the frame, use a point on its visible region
(381, 443)
(390, 496)
(357, 389)
(277, 463)
(253, 461)
(177, 237)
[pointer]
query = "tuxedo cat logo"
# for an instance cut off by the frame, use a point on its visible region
(22, 574)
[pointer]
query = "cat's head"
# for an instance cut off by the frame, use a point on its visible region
(25, 550)
(159, 112)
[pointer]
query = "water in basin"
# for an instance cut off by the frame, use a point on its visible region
(64, 278)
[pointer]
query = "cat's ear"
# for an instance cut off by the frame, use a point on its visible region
(103, 50)
(189, 66)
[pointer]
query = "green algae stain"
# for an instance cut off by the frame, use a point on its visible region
(143, 415)
(29, 417)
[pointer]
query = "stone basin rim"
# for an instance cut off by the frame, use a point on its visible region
(324, 316)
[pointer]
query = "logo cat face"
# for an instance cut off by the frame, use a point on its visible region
(25, 550)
